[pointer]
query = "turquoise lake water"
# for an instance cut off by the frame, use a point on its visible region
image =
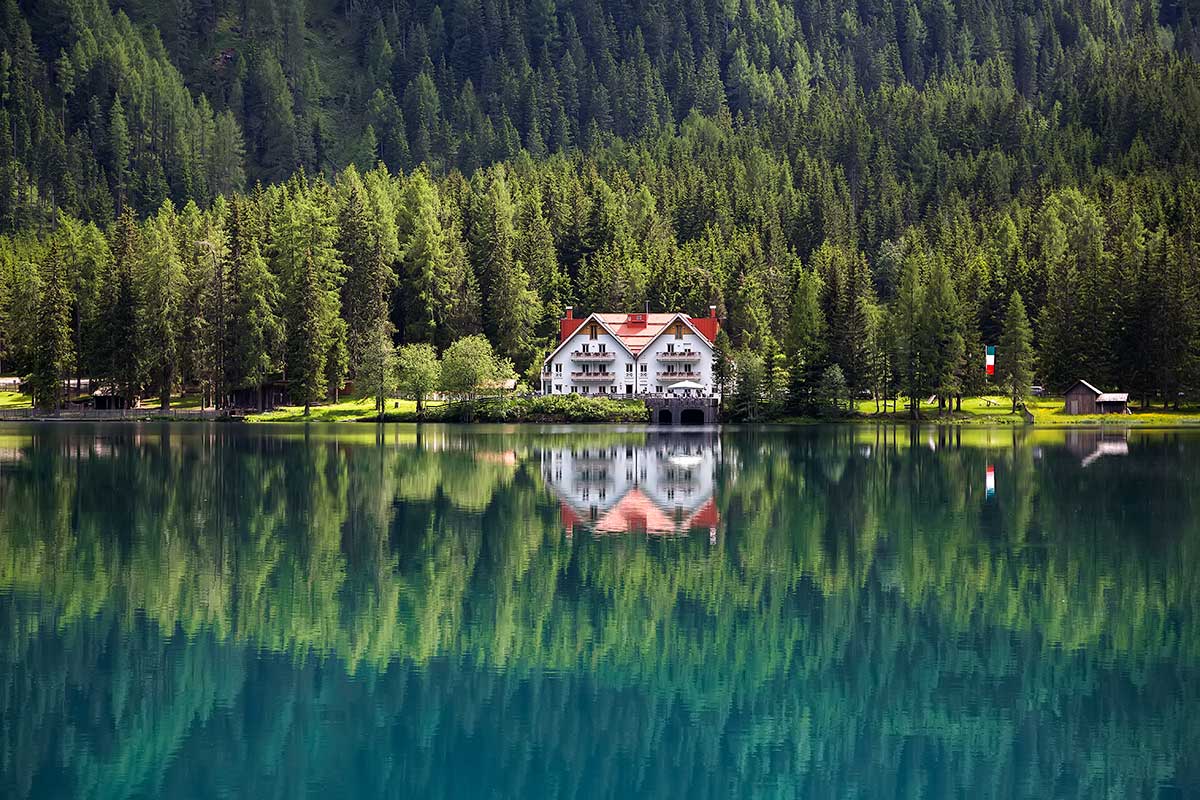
(208, 611)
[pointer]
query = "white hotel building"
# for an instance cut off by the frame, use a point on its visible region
(632, 354)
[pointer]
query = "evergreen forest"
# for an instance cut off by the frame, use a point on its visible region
(214, 195)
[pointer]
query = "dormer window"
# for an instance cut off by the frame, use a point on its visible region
(678, 330)
(593, 331)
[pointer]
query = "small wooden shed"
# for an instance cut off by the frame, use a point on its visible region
(1083, 398)
(107, 398)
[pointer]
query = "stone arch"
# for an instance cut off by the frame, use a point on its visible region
(664, 416)
(692, 416)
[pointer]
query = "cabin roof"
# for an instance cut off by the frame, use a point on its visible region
(1113, 397)
(1088, 386)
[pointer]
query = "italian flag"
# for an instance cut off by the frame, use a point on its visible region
(990, 360)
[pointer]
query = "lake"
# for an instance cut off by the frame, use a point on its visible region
(200, 611)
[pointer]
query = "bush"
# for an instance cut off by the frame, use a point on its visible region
(560, 408)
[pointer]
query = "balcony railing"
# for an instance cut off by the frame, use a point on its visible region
(592, 356)
(597, 377)
(689, 356)
(678, 376)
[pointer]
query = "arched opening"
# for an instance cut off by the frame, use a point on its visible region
(664, 416)
(691, 416)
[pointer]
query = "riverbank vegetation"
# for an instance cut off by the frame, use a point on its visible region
(238, 195)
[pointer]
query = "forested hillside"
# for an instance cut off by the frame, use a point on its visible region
(212, 192)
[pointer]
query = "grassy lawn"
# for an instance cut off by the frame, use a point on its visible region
(350, 410)
(996, 410)
(15, 400)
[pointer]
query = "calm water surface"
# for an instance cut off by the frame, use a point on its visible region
(277, 612)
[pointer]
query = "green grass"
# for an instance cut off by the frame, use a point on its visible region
(352, 410)
(996, 410)
(15, 400)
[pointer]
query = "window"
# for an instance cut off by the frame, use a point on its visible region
(585, 347)
(602, 347)
(629, 369)
(678, 330)
(658, 388)
(593, 331)
(558, 388)
(643, 369)
(585, 389)
(558, 369)
(670, 347)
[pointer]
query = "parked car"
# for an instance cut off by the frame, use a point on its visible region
(1037, 391)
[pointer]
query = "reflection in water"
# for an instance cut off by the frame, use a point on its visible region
(664, 486)
(203, 611)
(1090, 445)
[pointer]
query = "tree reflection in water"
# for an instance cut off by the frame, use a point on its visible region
(389, 611)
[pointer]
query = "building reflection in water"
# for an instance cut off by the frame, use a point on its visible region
(1092, 445)
(663, 487)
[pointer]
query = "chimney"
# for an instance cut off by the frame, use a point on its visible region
(570, 312)
(712, 311)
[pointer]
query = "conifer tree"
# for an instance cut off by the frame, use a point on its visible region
(54, 353)
(942, 342)
(163, 287)
(424, 262)
(122, 351)
(805, 339)
(368, 277)
(313, 276)
(255, 299)
(1014, 366)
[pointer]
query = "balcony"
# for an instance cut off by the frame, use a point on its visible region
(675, 377)
(594, 377)
(680, 357)
(592, 357)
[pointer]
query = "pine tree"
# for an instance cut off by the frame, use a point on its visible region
(805, 339)
(423, 262)
(255, 298)
(368, 278)
(313, 276)
(54, 353)
(162, 289)
(908, 316)
(122, 351)
(1014, 358)
(513, 308)
(942, 341)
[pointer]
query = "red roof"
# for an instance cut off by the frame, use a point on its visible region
(637, 330)
(637, 513)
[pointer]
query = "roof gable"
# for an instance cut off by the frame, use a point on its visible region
(1085, 384)
(666, 325)
(639, 335)
(580, 329)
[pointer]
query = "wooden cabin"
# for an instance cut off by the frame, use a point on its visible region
(107, 398)
(1083, 398)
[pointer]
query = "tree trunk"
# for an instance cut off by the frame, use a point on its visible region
(307, 408)
(420, 407)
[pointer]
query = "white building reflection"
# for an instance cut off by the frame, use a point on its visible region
(663, 487)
